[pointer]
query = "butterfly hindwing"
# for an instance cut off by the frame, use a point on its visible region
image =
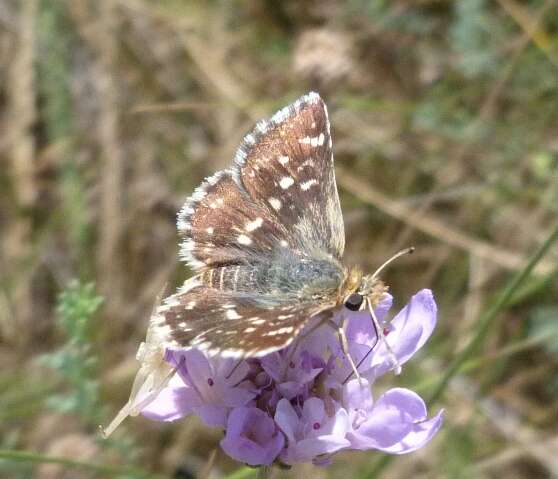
(230, 323)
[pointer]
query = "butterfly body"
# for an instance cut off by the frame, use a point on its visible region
(266, 239)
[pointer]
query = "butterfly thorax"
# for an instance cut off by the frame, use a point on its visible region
(351, 284)
(302, 277)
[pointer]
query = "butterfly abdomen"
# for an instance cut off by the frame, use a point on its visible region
(289, 275)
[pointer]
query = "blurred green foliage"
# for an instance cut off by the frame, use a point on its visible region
(75, 362)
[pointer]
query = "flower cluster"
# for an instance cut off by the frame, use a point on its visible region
(303, 403)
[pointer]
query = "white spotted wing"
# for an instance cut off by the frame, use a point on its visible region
(265, 238)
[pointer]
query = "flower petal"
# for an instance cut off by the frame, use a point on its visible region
(234, 397)
(286, 418)
(271, 364)
(404, 400)
(420, 313)
(213, 416)
(409, 330)
(313, 411)
(230, 369)
(247, 441)
(173, 402)
(392, 419)
(420, 434)
(357, 395)
(308, 449)
(290, 389)
(360, 328)
(198, 369)
(339, 425)
(237, 421)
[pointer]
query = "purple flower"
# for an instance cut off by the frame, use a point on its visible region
(173, 402)
(397, 423)
(406, 334)
(252, 437)
(303, 403)
(292, 375)
(208, 389)
(311, 432)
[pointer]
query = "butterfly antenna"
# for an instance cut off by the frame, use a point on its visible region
(403, 252)
(364, 357)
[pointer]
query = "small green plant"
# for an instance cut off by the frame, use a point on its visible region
(75, 362)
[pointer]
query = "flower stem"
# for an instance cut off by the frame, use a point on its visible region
(243, 473)
(264, 472)
(485, 323)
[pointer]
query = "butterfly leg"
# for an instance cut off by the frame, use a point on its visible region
(380, 337)
(238, 363)
(345, 346)
(340, 329)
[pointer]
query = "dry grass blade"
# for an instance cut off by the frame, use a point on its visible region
(17, 246)
(428, 224)
(511, 426)
(531, 27)
(205, 473)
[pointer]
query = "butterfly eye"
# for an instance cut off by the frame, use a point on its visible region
(354, 302)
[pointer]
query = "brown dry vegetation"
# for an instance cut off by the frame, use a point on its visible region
(444, 118)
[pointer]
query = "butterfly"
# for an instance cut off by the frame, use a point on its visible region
(265, 238)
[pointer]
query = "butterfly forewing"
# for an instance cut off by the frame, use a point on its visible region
(287, 165)
(265, 237)
(280, 191)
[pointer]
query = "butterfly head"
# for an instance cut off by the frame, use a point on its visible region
(359, 289)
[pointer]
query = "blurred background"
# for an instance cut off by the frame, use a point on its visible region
(444, 120)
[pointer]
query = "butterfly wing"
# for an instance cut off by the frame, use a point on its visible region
(287, 165)
(265, 236)
(231, 323)
(280, 192)
(222, 225)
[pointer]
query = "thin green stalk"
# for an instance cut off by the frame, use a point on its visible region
(485, 323)
(264, 472)
(473, 364)
(488, 318)
(34, 457)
